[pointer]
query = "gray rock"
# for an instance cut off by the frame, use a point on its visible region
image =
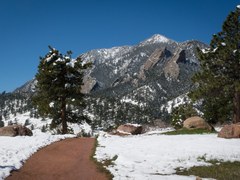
(15, 130)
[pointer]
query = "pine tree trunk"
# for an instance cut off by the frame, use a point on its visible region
(63, 116)
(236, 104)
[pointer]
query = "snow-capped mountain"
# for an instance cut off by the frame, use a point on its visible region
(132, 83)
(156, 38)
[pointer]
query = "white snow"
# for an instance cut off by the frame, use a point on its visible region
(223, 44)
(127, 100)
(142, 54)
(160, 87)
(71, 63)
(50, 57)
(157, 38)
(51, 104)
(238, 6)
(15, 151)
(207, 50)
(157, 156)
(182, 99)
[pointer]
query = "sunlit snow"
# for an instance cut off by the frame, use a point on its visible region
(157, 156)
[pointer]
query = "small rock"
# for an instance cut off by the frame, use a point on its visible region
(128, 129)
(15, 130)
(196, 122)
(230, 131)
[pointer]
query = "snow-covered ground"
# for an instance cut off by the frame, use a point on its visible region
(15, 150)
(157, 156)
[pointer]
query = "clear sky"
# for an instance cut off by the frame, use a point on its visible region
(27, 27)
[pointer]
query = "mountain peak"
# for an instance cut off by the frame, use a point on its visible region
(156, 38)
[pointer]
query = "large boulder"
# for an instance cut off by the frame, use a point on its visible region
(196, 122)
(230, 131)
(130, 129)
(15, 130)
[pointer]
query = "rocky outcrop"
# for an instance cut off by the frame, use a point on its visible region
(171, 69)
(230, 131)
(88, 84)
(196, 123)
(155, 57)
(130, 129)
(15, 130)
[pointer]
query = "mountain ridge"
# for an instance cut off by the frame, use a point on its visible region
(132, 83)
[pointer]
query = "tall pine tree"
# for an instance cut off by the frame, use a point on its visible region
(59, 81)
(219, 79)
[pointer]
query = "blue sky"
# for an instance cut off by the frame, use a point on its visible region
(27, 27)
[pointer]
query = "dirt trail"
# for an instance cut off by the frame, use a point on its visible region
(68, 159)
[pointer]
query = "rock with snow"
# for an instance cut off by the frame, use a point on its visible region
(15, 130)
(133, 129)
(230, 131)
(196, 122)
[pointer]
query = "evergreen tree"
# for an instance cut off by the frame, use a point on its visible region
(219, 79)
(1, 123)
(59, 88)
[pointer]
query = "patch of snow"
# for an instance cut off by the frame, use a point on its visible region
(123, 132)
(126, 100)
(71, 63)
(223, 44)
(135, 125)
(157, 156)
(59, 60)
(238, 6)
(80, 127)
(182, 99)
(161, 88)
(142, 54)
(214, 50)
(50, 57)
(207, 50)
(51, 104)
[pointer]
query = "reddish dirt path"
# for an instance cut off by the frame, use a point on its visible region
(68, 159)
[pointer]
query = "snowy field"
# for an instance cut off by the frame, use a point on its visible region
(15, 150)
(149, 157)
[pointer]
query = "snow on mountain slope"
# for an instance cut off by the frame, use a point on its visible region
(157, 156)
(156, 38)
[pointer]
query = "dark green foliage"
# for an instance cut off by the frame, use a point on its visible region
(44, 129)
(218, 82)
(59, 88)
(181, 113)
(13, 103)
(10, 123)
(1, 123)
(26, 122)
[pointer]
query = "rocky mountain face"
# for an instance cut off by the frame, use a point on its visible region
(132, 83)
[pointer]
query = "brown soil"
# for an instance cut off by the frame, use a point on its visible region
(68, 159)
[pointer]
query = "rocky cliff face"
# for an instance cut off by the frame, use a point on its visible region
(131, 83)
